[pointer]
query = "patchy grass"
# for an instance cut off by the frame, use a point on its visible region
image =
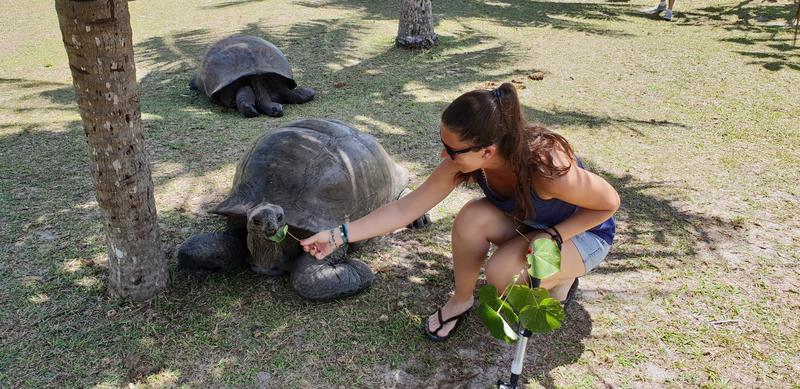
(695, 122)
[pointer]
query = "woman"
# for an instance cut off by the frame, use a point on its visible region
(534, 185)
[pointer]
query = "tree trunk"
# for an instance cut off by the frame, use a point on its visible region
(98, 40)
(416, 25)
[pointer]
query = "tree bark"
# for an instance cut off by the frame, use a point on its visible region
(98, 40)
(416, 25)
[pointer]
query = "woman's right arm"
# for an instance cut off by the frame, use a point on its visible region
(394, 215)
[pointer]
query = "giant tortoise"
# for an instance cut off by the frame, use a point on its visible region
(249, 74)
(309, 175)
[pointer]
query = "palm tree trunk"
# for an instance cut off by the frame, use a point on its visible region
(98, 40)
(416, 25)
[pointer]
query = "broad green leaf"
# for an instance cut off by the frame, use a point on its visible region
(540, 294)
(488, 295)
(497, 326)
(543, 316)
(519, 297)
(545, 260)
(280, 235)
(509, 313)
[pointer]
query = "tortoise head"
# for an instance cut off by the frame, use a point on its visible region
(264, 220)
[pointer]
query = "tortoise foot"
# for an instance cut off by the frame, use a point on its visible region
(420, 223)
(212, 251)
(302, 95)
(271, 109)
(248, 111)
(322, 280)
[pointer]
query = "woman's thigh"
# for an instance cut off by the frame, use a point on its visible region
(509, 259)
(480, 219)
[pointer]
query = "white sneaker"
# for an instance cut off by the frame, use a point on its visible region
(655, 10)
(667, 16)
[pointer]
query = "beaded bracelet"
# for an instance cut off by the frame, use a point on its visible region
(331, 240)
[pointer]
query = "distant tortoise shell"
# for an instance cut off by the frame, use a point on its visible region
(239, 56)
(320, 171)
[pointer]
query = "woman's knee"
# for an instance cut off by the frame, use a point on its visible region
(473, 217)
(503, 265)
(479, 217)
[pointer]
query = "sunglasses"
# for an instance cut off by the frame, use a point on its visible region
(453, 152)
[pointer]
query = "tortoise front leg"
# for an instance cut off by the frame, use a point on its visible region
(297, 95)
(193, 83)
(264, 102)
(327, 279)
(246, 101)
(213, 251)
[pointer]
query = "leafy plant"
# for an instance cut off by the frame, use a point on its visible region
(532, 308)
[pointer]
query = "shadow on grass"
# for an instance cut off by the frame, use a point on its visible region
(748, 16)
(512, 13)
(232, 3)
(757, 19)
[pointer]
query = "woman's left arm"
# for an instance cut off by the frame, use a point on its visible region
(595, 198)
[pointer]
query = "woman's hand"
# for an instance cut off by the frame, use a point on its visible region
(320, 245)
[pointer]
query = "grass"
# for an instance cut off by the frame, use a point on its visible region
(694, 122)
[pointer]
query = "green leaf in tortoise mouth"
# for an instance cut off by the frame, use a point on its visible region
(280, 235)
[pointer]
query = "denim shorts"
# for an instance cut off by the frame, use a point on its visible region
(593, 249)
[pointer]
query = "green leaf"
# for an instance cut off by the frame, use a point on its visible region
(519, 297)
(497, 326)
(280, 235)
(545, 260)
(540, 294)
(544, 315)
(488, 295)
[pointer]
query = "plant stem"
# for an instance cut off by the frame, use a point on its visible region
(290, 234)
(505, 293)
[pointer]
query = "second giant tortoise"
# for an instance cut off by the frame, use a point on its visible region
(249, 74)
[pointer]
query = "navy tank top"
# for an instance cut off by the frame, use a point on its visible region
(548, 212)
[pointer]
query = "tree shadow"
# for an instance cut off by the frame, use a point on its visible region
(758, 20)
(231, 3)
(746, 16)
(511, 13)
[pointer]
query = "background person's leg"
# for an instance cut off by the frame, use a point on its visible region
(668, 13)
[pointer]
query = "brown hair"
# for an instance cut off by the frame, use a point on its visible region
(483, 117)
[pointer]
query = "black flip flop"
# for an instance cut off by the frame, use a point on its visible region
(432, 334)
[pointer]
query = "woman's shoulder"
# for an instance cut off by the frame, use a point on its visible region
(549, 186)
